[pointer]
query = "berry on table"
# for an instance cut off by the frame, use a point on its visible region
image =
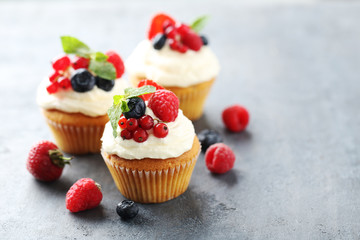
(146, 82)
(84, 194)
(132, 124)
(80, 62)
(127, 209)
(157, 24)
(161, 130)
(122, 122)
(61, 63)
(137, 108)
(104, 84)
(159, 41)
(126, 134)
(146, 122)
(82, 80)
(118, 63)
(140, 135)
(219, 158)
(208, 137)
(235, 118)
(165, 105)
(53, 87)
(192, 40)
(45, 162)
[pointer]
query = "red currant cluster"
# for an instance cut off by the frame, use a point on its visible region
(136, 129)
(180, 36)
(60, 77)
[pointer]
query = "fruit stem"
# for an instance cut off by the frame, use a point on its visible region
(58, 158)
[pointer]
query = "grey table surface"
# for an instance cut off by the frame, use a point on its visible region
(294, 65)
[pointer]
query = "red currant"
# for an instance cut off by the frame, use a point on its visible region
(53, 87)
(80, 62)
(161, 130)
(132, 124)
(182, 48)
(146, 122)
(140, 135)
(171, 32)
(122, 122)
(61, 63)
(64, 82)
(167, 24)
(126, 134)
(53, 77)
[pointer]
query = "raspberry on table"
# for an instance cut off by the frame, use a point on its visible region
(219, 158)
(235, 118)
(84, 194)
(165, 105)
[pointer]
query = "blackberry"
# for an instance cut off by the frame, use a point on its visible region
(82, 80)
(137, 108)
(209, 137)
(104, 84)
(127, 209)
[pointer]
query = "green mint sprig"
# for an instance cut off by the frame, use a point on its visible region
(120, 104)
(199, 23)
(98, 63)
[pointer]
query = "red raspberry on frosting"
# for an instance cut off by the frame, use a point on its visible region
(165, 105)
(219, 158)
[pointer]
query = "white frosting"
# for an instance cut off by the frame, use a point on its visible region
(171, 68)
(179, 140)
(92, 103)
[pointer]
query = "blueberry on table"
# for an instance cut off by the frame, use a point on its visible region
(209, 137)
(104, 84)
(159, 41)
(127, 209)
(82, 80)
(204, 40)
(137, 108)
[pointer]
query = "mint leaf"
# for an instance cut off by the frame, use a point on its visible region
(114, 114)
(199, 23)
(134, 92)
(99, 56)
(118, 98)
(73, 45)
(103, 69)
(124, 106)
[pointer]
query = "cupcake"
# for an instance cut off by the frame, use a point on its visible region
(149, 147)
(175, 56)
(76, 96)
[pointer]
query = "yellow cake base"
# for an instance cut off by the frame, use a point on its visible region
(192, 98)
(153, 180)
(76, 133)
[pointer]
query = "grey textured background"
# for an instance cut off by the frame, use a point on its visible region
(294, 65)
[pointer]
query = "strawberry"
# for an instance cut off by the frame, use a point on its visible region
(84, 194)
(45, 162)
(157, 24)
(144, 82)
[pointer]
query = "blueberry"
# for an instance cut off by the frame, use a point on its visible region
(104, 84)
(159, 41)
(127, 209)
(204, 40)
(82, 80)
(137, 108)
(209, 137)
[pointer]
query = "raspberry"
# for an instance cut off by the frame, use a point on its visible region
(183, 29)
(145, 82)
(53, 87)
(45, 162)
(140, 135)
(80, 62)
(118, 63)
(132, 124)
(219, 158)
(61, 63)
(84, 194)
(165, 105)
(157, 24)
(146, 122)
(161, 130)
(192, 40)
(235, 118)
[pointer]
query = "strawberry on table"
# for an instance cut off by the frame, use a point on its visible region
(45, 162)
